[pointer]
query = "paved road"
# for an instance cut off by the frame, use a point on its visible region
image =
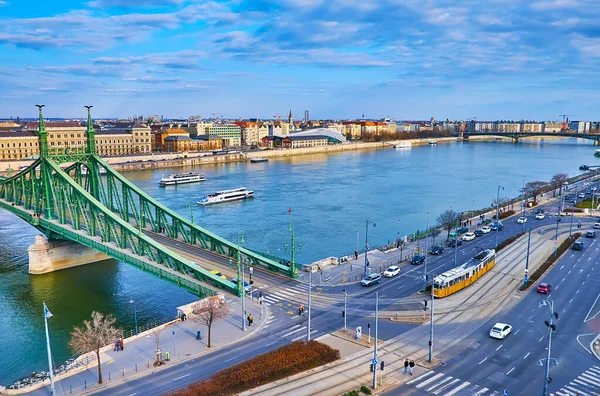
(486, 366)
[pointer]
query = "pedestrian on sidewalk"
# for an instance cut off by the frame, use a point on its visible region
(406, 362)
(355, 255)
(412, 366)
(116, 348)
(121, 344)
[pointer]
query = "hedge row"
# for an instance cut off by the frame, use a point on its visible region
(563, 247)
(506, 214)
(576, 210)
(283, 362)
(508, 241)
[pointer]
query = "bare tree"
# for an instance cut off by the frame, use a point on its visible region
(501, 202)
(209, 311)
(534, 188)
(447, 220)
(94, 335)
(157, 333)
(557, 181)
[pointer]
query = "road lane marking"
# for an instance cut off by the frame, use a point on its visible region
(437, 392)
(562, 266)
(400, 287)
(582, 283)
(517, 331)
(570, 301)
(540, 340)
(448, 378)
(421, 377)
(295, 331)
(458, 388)
(422, 384)
(526, 356)
(229, 360)
(510, 371)
(483, 360)
(178, 378)
(271, 343)
(499, 346)
(556, 287)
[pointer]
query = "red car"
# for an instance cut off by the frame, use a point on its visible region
(544, 288)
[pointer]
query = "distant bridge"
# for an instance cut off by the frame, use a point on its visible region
(515, 136)
(106, 212)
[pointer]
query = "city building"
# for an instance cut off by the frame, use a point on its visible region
(292, 141)
(306, 116)
(352, 131)
(507, 127)
(161, 135)
(552, 126)
(579, 126)
(230, 133)
(531, 127)
(209, 142)
(179, 143)
(16, 145)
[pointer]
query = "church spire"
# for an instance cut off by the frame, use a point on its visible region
(290, 118)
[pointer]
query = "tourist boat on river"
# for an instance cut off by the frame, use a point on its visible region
(597, 154)
(226, 196)
(432, 142)
(181, 178)
(257, 160)
(403, 145)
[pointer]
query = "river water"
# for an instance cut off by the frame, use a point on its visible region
(331, 196)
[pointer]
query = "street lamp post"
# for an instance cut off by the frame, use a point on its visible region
(498, 215)
(398, 233)
(309, 291)
(525, 279)
(572, 215)
(455, 243)
(375, 345)
(48, 314)
(241, 278)
(345, 312)
(367, 246)
(551, 328)
(431, 322)
(524, 204)
(558, 218)
(426, 254)
(357, 240)
(132, 301)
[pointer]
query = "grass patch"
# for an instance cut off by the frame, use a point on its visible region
(585, 204)
(563, 247)
(271, 366)
(508, 241)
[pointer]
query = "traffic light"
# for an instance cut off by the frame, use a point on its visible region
(343, 314)
(371, 368)
(382, 365)
(368, 325)
(549, 379)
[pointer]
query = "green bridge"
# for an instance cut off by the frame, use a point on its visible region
(87, 202)
(515, 136)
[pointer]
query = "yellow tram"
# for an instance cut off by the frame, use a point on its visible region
(460, 277)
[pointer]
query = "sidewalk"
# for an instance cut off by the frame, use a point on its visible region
(139, 353)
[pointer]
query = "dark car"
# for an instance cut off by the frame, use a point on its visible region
(462, 230)
(437, 250)
(478, 233)
(452, 243)
(486, 221)
(418, 259)
(544, 288)
(577, 245)
(590, 234)
(497, 226)
(539, 210)
(567, 197)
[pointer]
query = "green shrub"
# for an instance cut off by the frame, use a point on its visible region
(365, 389)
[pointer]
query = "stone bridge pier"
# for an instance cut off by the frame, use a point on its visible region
(49, 256)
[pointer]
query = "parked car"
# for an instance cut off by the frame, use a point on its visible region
(391, 271)
(567, 197)
(486, 221)
(522, 220)
(462, 230)
(371, 279)
(500, 331)
(436, 250)
(486, 229)
(469, 236)
(577, 245)
(581, 195)
(497, 226)
(453, 242)
(478, 233)
(220, 275)
(418, 259)
(544, 288)
(540, 216)
(597, 226)
(539, 210)
(590, 234)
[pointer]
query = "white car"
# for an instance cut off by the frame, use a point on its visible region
(486, 229)
(597, 226)
(581, 195)
(391, 271)
(500, 331)
(540, 216)
(469, 236)
(522, 220)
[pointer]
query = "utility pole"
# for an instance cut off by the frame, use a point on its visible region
(523, 208)
(367, 246)
(525, 279)
(572, 215)
(551, 328)
(426, 254)
(374, 362)
(431, 323)
(455, 243)
(558, 219)
(241, 278)
(309, 287)
(498, 215)
(48, 314)
(345, 313)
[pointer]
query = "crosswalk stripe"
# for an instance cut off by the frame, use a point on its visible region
(295, 331)
(448, 378)
(302, 336)
(481, 392)
(572, 388)
(588, 378)
(421, 377)
(559, 393)
(437, 392)
(271, 300)
(580, 382)
(422, 384)
(594, 370)
(279, 295)
(286, 293)
(458, 388)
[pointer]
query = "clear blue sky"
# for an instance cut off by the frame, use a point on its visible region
(408, 59)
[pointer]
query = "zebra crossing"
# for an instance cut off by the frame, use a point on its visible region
(446, 385)
(587, 384)
(285, 293)
(293, 333)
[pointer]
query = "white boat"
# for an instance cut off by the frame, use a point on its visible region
(181, 178)
(227, 196)
(258, 159)
(433, 142)
(403, 145)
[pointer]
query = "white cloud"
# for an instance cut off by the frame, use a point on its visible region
(553, 4)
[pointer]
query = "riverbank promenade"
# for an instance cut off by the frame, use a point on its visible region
(178, 339)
